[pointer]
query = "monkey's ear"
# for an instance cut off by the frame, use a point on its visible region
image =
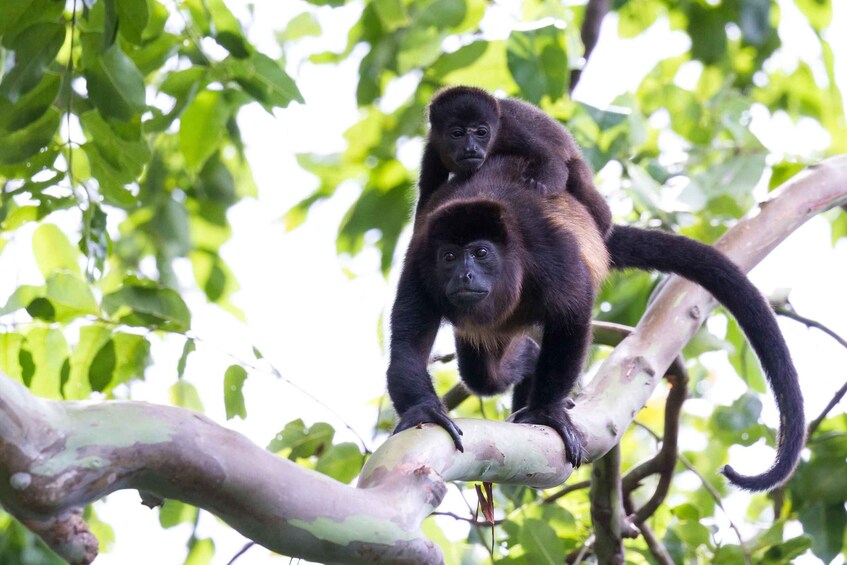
(468, 220)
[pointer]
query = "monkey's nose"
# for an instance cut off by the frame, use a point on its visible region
(468, 276)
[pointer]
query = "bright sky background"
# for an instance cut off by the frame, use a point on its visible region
(320, 328)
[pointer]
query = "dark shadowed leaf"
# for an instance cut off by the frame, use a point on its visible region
(35, 48)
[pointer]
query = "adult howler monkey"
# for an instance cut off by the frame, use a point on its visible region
(497, 261)
(468, 126)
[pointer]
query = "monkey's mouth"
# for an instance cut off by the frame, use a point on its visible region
(472, 162)
(467, 296)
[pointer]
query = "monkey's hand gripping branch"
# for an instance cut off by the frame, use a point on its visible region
(55, 457)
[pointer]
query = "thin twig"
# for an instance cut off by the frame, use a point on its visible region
(241, 552)
(595, 11)
(784, 308)
(660, 553)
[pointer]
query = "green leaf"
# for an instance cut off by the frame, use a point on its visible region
(102, 367)
(302, 441)
(35, 48)
(21, 298)
(115, 159)
(115, 85)
(202, 127)
(707, 30)
(30, 106)
(200, 552)
(227, 30)
(265, 80)
(342, 462)
(133, 354)
(91, 340)
(173, 513)
(22, 144)
(160, 308)
(541, 543)
(538, 62)
(133, 16)
(10, 350)
(786, 552)
(71, 297)
(826, 523)
(819, 12)
(187, 349)
(53, 252)
(300, 26)
(233, 395)
(185, 394)
(744, 359)
(47, 350)
(392, 14)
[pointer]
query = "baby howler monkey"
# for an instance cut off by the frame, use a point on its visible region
(468, 126)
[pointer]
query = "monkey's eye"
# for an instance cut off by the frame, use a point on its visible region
(482, 132)
(456, 133)
(480, 252)
(449, 257)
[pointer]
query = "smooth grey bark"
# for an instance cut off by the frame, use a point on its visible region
(56, 457)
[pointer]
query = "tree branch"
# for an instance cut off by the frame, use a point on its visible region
(595, 11)
(58, 456)
(607, 513)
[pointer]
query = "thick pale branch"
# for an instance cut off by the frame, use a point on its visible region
(57, 456)
(629, 375)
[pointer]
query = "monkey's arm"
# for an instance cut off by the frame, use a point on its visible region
(414, 323)
(433, 175)
(563, 350)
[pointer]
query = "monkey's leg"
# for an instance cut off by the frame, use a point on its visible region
(563, 351)
(581, 185)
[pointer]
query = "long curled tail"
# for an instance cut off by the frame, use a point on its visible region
(631, 247)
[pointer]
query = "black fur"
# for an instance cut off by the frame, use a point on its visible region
(546, 282)
(631, 247)
(518, 129)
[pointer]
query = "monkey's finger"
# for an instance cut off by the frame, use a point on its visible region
(452, 429)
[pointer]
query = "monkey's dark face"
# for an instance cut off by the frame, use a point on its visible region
(467, 273)
(464, 146)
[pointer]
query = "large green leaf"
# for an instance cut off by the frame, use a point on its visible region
(114, 84)
(91, 340)
(115, 159)
(70, 296)
(342, 462)
(202, 127)
(147, 306)
(18, 146)
(301, 441)
(541, 543)
(538, 62)
(133, 16)
(53, 252)
(35, 48)
(47, 352)
(265, 80)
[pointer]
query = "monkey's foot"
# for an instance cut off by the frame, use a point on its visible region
(557, 418)
(430, 412)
